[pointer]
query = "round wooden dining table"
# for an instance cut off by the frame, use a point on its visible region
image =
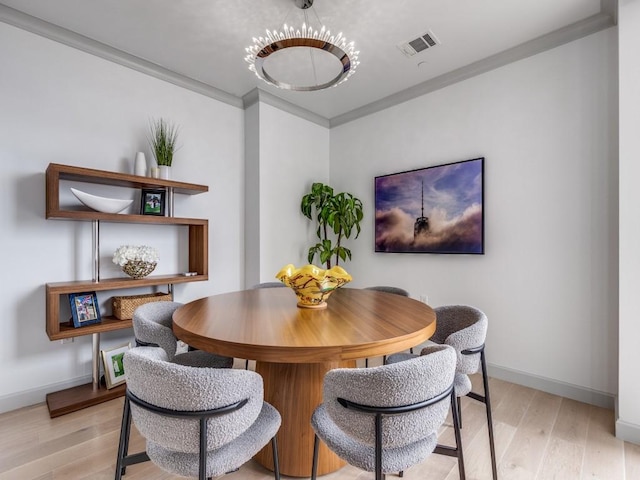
(295, 347)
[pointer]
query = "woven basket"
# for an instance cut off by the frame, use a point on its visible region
(123, 307)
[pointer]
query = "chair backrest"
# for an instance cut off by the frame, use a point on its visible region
(462, 327)
(394, 290)
(152, 378)
(398, 384)
(269, 285)
(153, 323)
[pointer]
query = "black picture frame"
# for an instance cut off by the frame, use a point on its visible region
(84, 309)
(152, 202)
(437, 209)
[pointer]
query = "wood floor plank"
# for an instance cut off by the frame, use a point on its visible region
(525, 453)
(573, 419)
(562, 460)
(514, 405)
(631, 460)
(604, 453)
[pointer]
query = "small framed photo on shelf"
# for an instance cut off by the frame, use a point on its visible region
(152, 202)
(112, 361)
(84, 309)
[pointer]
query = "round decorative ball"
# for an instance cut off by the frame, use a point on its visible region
(138, 268)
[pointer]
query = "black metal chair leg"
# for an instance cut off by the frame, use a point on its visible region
(459, 414)
(314, 464)
(123, 445)
(487, 403)
(457, 422)
(276, 463)
(202, 461)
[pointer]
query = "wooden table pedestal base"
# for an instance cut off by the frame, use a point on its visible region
(295, 390)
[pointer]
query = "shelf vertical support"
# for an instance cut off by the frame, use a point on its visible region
(170, 201)
(95, 337)
(95, 239)
(95, 360)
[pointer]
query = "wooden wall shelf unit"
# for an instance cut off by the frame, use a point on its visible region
(73, 399)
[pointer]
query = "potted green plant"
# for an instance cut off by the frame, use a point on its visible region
(163, 142)
(337, 215)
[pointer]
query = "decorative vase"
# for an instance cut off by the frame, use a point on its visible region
(313, 285)
(140, 165)
(138, 268)
(165, 171)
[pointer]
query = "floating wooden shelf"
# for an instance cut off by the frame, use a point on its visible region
(76, 398)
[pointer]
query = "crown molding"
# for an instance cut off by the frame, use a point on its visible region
(67, 37)
(258, 95)
(572, 32)
(605, 19)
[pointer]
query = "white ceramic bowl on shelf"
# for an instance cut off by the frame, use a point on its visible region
(101, 204)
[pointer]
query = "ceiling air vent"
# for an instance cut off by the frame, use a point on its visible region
(423, 42)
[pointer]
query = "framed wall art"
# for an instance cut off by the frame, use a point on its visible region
(84, 309)
(152, 202)
(438, 209)
(112, 362)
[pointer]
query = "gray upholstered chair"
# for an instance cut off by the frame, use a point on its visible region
(387, 289)
(152, 326)
(465, 329)
(394, 290)
(197, 422)
(269, 285)
(386, 419)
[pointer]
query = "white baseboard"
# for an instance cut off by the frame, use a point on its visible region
(629, 432)
(37, 395)
(563, 389)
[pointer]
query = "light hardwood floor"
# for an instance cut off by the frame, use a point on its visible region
(538, 436)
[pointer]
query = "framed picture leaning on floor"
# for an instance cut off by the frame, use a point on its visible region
(112, 361)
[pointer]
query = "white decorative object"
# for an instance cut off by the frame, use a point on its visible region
(165, 171)
(140, 165)
(137, 261)
(101, 204)
(155, 172)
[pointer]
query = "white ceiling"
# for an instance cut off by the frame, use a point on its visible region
(205, 40)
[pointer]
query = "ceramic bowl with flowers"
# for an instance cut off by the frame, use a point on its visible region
(137, 261)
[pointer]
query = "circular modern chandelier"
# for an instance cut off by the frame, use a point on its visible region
(288, 37)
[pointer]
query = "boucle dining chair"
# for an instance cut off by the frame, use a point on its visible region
(197, 422)
(388, 289)
(386, 419)
(269, 285)
(152, 326)
(465, 329)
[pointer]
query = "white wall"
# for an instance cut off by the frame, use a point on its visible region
(65, 106)
(628, 423)
(291, 155)
(546, 126)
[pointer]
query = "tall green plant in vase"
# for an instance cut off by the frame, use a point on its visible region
(163, 140)
(337, 215)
